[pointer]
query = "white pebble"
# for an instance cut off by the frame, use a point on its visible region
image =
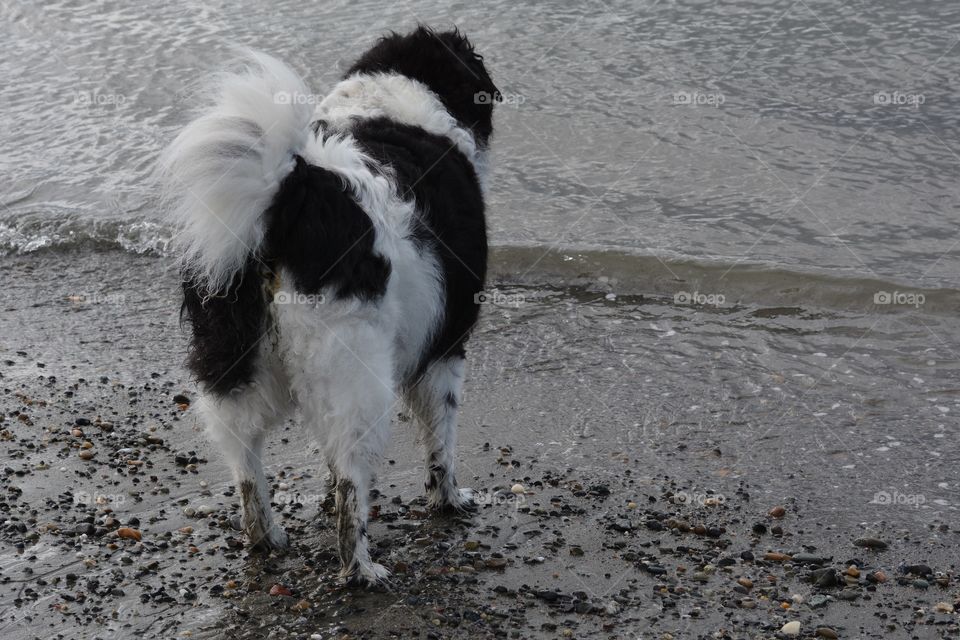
(517, 489)
(792, 628)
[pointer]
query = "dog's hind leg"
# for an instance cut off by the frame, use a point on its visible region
(434, 400)
(345, 388)
(237, 423)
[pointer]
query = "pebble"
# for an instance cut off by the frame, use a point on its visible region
(774, 556)
(943, 607)
(877, 576)
(517, 489)
(777, 512)
(826, 632)
(87, 454)
(280, 590)
(871, 543)
(129, 533)
(745, 582)
(792, 628)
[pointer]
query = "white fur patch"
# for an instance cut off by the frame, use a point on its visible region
(401, 99)
(223, 170)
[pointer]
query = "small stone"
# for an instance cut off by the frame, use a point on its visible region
(517, 489)
(792, 628)
(631, 505)
(129, 533)
(303, 605)
(943, 607)
(826, 632)
(853, 571)
(471, 545)
(777, 512)
(774, 556)
(747, 583)
(280, 590)
(877, 576)
(87, 454)
(871, 543)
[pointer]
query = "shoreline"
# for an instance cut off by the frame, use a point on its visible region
(651, 455)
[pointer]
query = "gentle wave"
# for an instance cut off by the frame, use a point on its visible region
(621, 272)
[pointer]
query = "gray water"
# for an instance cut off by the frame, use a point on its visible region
(808, 136)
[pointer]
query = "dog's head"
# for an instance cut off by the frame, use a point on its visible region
(448, 65)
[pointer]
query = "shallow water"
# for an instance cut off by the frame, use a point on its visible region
(802, 136)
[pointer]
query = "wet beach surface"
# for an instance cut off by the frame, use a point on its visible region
(684, 471)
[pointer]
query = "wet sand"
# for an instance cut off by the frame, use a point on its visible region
(653, 443)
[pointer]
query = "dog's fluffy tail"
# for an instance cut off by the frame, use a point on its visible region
(224, 169)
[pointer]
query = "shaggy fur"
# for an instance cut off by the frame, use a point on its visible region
(331, 263)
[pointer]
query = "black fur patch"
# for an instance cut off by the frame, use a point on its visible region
(448, 65)
(226, 329)
(450, 223)
(319, 234)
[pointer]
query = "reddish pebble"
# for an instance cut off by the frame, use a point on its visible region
(280, 590)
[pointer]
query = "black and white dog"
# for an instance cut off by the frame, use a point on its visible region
(331, 261)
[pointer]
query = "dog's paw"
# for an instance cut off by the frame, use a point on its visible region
(276, 539)
(368, 574)
(457, 501)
